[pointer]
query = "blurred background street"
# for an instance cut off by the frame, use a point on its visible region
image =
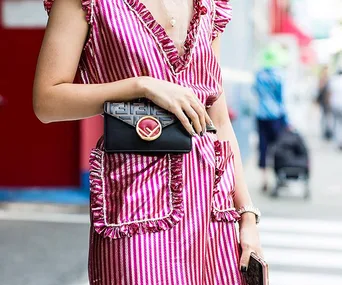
(44, 220)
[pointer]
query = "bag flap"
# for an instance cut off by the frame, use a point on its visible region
(132, 112)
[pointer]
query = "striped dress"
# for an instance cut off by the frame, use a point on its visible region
(166, 219)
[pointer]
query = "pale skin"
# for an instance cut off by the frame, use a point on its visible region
(56, 98)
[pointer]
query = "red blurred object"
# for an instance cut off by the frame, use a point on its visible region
(288, 26)
(32, 154)
(283, 23)
(232, 114)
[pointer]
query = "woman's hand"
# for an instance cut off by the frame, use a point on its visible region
(178, 100)
(249, 240)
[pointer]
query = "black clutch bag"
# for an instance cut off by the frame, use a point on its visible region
(143, 127)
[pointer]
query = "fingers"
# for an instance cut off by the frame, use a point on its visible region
(246, 253)
(207, 119)
(184, 121)
(245, 256)
(191, 106)
(202, 113)
(196, 115)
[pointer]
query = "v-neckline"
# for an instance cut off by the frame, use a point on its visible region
(176, 61)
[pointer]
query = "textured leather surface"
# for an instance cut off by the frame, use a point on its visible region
(132, 112)
(120, 134)
(254, 275)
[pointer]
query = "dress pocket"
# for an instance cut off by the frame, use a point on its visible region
(134, 194)
(224, 183)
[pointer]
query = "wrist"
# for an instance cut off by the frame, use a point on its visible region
(143, 87)
(248, 219)
(249, 214)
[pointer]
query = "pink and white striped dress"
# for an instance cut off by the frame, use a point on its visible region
(167, 220)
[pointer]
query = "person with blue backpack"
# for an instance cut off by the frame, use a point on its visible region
(271, 115)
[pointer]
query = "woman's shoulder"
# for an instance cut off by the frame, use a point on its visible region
(222, 15)
(87, 7)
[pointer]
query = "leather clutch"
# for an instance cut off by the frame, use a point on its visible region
(257, 273)
(143, 127)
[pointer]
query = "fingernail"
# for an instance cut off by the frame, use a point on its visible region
(193, 133)
(211, 123)
(243, 268)
(201, 134)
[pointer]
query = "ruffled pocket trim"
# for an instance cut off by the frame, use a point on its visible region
(223, 154)
(128, 229)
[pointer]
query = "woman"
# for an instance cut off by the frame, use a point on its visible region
(124, 50)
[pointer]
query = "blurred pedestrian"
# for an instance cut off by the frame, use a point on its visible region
(155, 219)
(335, 102)
(271, 114)
(323, 101)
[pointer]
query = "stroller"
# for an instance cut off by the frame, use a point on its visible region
(290, 161)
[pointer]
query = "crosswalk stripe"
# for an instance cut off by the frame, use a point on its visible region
(300, 226)
(286, 278)
(44, 217)
(312, 247)
(302, 241)
(303, 258)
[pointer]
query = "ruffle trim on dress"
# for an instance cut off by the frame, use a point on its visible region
(128, 229)
(225, 216)
(222, 153)
(222, 16)
(177, 62)
(87, 6)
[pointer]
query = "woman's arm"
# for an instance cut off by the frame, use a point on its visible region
(220, 117)
(248, 232)
(55, 97)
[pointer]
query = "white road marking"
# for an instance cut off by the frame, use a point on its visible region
(300, 226)
(45, 217)
(303, 241)
(303, 258)
(290, 278)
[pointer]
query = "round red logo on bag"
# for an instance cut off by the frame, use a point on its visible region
(149, 128)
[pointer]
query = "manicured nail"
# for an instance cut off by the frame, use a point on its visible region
(211, 123)
(193, 133)
(201, 134)
(243, 268)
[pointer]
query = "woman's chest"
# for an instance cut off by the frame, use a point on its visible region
(128, 34)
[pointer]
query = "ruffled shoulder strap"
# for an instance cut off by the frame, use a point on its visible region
(87, 6)
(222, 16)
